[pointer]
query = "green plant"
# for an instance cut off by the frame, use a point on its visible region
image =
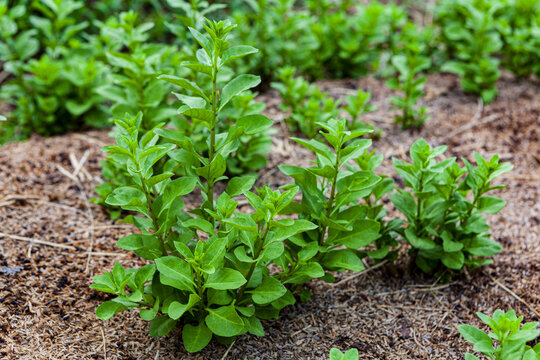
(519, 26)
(470, 32)
(338, 198)
(445, 205)
(356, 106)
(308, 105)
(278, 28)
(511, 336)
(412, 86)
(251, 153)
(209, 270)
(57, 91)
(351, 354)
(134, 86)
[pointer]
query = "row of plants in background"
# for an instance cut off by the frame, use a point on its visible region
(70, 69)
(308, 106)
(216, 272)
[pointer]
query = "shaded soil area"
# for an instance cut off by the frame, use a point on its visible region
(47, 309)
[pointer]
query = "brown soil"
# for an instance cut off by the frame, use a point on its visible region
(47, 308)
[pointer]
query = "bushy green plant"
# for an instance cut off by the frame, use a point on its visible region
(278, 28)
(57, 91)
(251, 153)
(470, 32)
(351, 354)
(134, 86)
(210, 265)
(336, 196)
(519, 26)
(358, 105)
(444, 207)
(510, 335)
(308, 105)
(412, 87)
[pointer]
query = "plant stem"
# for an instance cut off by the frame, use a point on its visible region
(211, 150)
(256, 255)
(330, 203)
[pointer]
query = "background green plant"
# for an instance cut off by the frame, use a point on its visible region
(444, 225)
(510, 335)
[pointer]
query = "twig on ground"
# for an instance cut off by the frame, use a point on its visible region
(104, 343)
(299, 331)
(515, 296)
(227, 352)
(78, 164)
(106, 254)
(10, 199)
(360, 273)
(408, 307)
(37, 241)
(117, 226)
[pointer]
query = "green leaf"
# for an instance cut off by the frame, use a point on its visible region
(363, 233)
(340, 260)
(184, 84)
(269, 290)
(490, 204)
(161, 326)
(254, 326)
(243, 222)
(224, 321)
(239, 184)
(235, 52)
(453, 260)
(201, 114)
(150, 314)
(298, 227)
(482, 342)
(177, 309)
(254, 123)
(108, 309)
(225, 279)
(196, 338)
(236, 86)
(175, 272)
(483, 246)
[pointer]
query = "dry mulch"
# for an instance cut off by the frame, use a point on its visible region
(47, 308)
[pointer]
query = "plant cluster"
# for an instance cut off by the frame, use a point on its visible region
(210, 270)
(68, 67)
(217, 272)
(309, 107)
(444, 207)
(53, 85)
(508, 339)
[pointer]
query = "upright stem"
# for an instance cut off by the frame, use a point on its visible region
(419, 203)
(330, 203)
(149, 206)
(212, 148)
(255, 256)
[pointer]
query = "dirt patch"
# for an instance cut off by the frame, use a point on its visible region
(47, 308)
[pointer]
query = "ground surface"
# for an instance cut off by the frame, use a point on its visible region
(47, 308)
